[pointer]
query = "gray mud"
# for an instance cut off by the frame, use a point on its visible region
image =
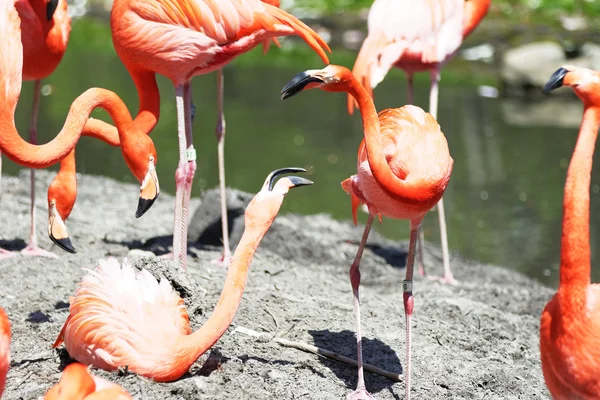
(477, 340)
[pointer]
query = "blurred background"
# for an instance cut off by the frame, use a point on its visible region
(510, 143)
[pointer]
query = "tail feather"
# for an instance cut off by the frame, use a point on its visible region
(11, 56)
(300, 28)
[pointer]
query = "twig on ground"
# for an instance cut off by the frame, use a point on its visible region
(321, 352)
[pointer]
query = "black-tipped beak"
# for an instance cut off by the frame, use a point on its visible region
(144, 205)
(297, 84)
(556, 80)
(51, 7)
(296, 180)
(64, 243)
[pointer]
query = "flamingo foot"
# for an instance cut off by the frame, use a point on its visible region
(360, 394)
(223, 261)
(33, 250)
(5, 254)
(446, 279)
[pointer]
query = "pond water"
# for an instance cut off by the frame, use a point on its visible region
(504, 201)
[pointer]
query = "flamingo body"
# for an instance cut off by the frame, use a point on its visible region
(4, 348)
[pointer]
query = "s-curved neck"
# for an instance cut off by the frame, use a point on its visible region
(575, 242)
(389, 182)
(196, 344)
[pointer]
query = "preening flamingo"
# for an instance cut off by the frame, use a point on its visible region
(416, 37)
(4, 348)
(184, 38)
(570, 323)
(122, 317)
(76, 383)
(137, 148)
(46, 26)
(403, 169)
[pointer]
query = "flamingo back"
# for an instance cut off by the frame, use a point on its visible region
(11, 59)
(183, 38)
(112, 318)
(413, 35)
(4, 348)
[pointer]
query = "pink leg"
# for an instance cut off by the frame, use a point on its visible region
(190, 172)
(32, 248)
(180, 174)
(409, 303)
(433, 105)
(361, 391)
(220, 132)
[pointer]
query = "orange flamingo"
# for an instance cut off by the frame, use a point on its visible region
(77, 383)
(416, 37)
(46, 25)
(570, 323)
(122, 317)
(4, 348)
(403, 169)
(184, 38)
(137, 148)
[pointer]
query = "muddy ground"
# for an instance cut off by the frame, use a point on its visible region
(473, 341)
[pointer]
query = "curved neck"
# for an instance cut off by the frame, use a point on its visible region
(474, 12)
(575, 243)
(194, 345)
(389, 182)
(42, 156)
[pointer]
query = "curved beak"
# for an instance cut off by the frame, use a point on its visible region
(149, 191)
(57, 231)
(556, 80)
(293, 181)
(299, 83)
(51, 7)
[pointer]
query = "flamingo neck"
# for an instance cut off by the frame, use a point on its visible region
(196, 344)
(575, 242)
(474, 12)
(389, 182)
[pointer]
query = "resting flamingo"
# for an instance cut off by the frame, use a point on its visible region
(404, 175)
(416, 37)
(46, 26)
(76, 383)
(4, 348)
(137, 148)
(184, 38)
(106, 328)
(570, 323)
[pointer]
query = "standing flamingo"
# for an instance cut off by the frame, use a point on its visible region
(416, 37)
(76, 383)
(122, 317)
(570, 323)
(46, 26)
(4, 348)
(403, 169)
(184, 38)
(137, 148)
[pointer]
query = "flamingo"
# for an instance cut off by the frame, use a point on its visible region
(184, 38)
(46, 25)
(570, 322)
(123, 317)
(77, 383)
(404, 166)
(137, 148)
(4, 348)
(416, 37)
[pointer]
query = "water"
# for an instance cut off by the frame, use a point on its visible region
(504, 201)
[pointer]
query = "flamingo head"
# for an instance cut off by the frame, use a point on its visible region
(44, 9)
(332, 78)
(265, 205)
(140, 156)
(584, 82)
(62, 194)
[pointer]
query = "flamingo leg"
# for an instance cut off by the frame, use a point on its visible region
(191, 170)
(433, 105)
(409, 303)
(361, 392)
(32, 248)
(220, 132)
(4, 253)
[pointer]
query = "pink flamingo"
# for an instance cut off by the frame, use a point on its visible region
(4, 348)
(416, 37)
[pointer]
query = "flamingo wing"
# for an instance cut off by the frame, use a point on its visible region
(182, 38)
(118, 314)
